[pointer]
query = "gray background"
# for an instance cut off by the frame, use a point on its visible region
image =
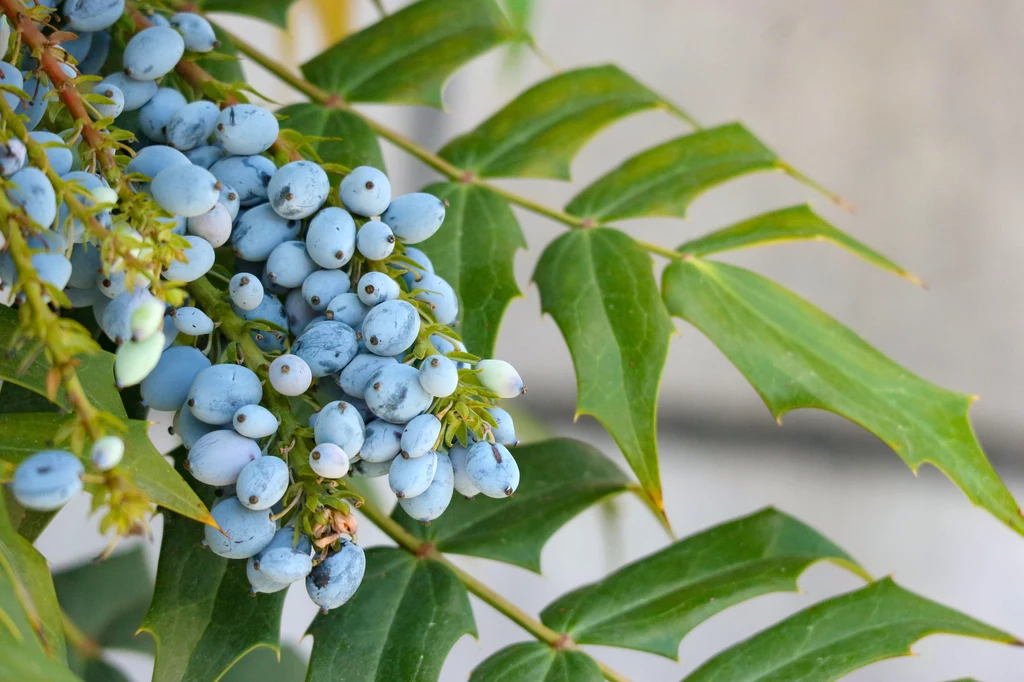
(912, 111)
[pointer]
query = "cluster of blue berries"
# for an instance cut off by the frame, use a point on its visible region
(331, 287)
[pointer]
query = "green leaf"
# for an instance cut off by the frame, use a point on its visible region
(18, 664)
(478, 263)
(665, 180)
(202, 616)
(840, 635)
(99, 597)
(29, 524)
(400, 625)
(560, 479)
(22, 435)
(95, 371)
(261, 665)
(98, 670)
(599, 287)
(272, 11)
(230, 70)
(540, 132)
(30, 617)
(537, 662)
(796, 223)
(407, 57)
(796, 356)
(96, 595)
(353, 143)
(650, 605)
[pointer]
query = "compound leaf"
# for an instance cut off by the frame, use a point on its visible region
(477, 262)
(665, 180)
(599, 287)
(559, 479)
(537, 662)
(653, 603)
(540, 132)
(400, 625)
(22, 435)
(796, 223)
(796, 356)
(272, 11)
(202, 616)
(407, 57)
(837, 636)
(350, 141)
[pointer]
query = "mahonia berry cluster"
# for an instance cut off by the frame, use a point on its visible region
(329, 294)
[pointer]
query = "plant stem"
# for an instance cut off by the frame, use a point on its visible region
(211, 300)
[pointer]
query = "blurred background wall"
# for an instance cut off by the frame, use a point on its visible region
(910, 110)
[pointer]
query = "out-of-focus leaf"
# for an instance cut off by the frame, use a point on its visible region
(653, 603)
(354, 143)
(29, 614)
(97, 597)
(273, 11)
(559, 479)
(406, 57)
(665, 180)
(400, 625)
(537, 662)
(540, 132)
(22, 435)
(796, 356)
(599, 287)
(95, 371)
(203, 617)
(835, 637)
(476, 262)
(796, 223)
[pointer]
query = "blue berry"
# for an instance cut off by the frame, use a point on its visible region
(433, 501)
(394, 394)
(391, 328)
(218, 391)
(410, 477)
(47, 480)
(243, 532)
(414, 217)
(152, 53)
(290, 375)
(246, 129)
(333, 581)
(298, 189)
(219, 457)
(255, 421)
(331, 238)
(366, 191)
(439, 376)
(375, 240)
(262, 482)
(327, 460)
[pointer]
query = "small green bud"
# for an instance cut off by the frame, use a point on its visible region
(147, 319)
(500, 377)
(106, 453)
(136, 359)
(105, 195)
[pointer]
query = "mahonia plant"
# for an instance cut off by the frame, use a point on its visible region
(169, 245)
